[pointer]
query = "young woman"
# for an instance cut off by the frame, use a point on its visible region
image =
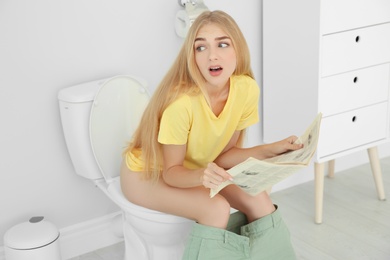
(191, 131)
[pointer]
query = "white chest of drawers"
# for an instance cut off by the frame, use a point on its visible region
(329, 56)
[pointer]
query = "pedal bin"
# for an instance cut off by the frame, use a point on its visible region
(35, 239)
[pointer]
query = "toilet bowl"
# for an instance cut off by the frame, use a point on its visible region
(98, 119)
(150, 234)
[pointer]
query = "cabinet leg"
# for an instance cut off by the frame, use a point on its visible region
(376, 171)
(319, 169)
(331, 167)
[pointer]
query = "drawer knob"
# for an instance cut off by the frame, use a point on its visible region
(357, 39)
(354, 119)
(355, 79)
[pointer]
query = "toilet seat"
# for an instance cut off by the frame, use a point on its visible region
(114, 192)
(115, 114)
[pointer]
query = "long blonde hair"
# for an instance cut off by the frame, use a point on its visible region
(183, 77)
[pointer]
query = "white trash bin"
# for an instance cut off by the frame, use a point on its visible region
(35, 239)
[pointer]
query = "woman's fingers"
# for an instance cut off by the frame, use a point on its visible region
(214, 175)
(291, 143)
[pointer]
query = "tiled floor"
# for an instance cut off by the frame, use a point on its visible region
(356, 224)
(115, 252)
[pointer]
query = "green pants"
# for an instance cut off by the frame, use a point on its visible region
(266, 238)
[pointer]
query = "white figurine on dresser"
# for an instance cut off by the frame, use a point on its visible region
(329, 56)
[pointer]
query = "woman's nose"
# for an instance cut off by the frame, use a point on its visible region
(213, 54)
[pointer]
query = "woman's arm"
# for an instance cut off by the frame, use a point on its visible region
(175, 174)
(233, 155)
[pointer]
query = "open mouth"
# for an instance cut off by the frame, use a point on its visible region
(215, 69)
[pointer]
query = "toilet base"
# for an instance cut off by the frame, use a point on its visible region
(146, 240)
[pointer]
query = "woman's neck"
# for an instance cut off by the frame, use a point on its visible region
(218, 98)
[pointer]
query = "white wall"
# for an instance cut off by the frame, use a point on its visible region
(47, 45)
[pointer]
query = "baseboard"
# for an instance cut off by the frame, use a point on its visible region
(91, 235)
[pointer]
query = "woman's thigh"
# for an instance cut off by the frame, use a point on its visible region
(254, 207)
(192, 203)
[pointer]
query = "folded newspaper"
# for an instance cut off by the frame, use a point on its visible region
(255, 176)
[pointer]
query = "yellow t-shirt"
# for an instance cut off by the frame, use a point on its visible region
(189, 120)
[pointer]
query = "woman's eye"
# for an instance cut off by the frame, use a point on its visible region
(200, 48)
(223, 45)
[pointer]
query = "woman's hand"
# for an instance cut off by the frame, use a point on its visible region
(214, 175)
(285, 145)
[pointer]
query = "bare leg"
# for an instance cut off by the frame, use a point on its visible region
(254, 207)
(191, 203)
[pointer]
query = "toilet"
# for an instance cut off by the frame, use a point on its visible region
(98, 119)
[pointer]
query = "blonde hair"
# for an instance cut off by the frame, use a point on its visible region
(183, 77)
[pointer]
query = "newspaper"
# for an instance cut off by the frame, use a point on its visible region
(255, 176)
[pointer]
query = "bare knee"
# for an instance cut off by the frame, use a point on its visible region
(258, 206)
(218, 213)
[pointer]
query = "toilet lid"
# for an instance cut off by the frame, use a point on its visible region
(117, 109)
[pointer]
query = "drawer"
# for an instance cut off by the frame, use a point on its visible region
(354, 89)
(345, 15)
(352, 129)
(355, 49)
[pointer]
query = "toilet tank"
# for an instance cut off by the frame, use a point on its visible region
(75, 107)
